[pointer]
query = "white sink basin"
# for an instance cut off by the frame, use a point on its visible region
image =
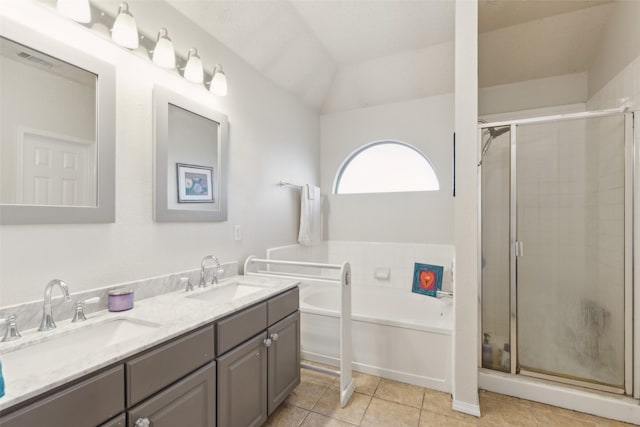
(54, 351)
(220, 294)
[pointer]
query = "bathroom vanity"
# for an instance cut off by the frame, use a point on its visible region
(233, 367)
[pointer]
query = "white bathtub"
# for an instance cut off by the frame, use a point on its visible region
(396, 334)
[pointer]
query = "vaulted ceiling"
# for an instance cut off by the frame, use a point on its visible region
(343, 54)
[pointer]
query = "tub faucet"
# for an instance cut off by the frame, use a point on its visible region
(203, 283)
(47, 322)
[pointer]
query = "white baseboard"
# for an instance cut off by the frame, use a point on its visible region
(466, 408)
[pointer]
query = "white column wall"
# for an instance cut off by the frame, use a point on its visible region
(465, 342)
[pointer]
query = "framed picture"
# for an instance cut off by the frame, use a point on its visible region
(195, 184)
(427, 279)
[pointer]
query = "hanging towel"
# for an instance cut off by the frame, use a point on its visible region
(309, 215)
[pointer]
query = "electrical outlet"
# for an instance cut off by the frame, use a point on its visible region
(237, 233)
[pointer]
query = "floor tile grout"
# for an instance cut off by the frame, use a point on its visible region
(495, 409)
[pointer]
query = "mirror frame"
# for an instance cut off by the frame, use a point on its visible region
(162, 97)
(104, 211)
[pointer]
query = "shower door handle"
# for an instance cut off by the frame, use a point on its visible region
(519, 248)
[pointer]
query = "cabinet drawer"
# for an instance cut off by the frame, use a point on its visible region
(119, 421)
(282, 305)
(88, 403)
(158, 368)
(189, 402)
(239, 327)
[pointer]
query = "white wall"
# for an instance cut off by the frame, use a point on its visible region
(529, 94)
(619, 45)
(272, 137)
(413, 74)
(466, 280)
(425, 123)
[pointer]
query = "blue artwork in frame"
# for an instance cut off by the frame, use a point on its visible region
(427, 279)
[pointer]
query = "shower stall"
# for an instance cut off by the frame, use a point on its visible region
(556, 196)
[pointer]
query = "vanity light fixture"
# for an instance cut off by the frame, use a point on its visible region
(78, 10)
(124, 31)
(218, 85)
(193, 71)
(164, 55)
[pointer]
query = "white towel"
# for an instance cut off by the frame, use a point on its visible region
(310, 224)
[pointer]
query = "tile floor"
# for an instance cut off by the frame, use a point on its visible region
(381, 402)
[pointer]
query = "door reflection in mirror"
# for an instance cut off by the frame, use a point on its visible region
(48, 146)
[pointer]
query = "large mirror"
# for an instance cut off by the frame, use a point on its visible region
(57, 148)
(190, 166)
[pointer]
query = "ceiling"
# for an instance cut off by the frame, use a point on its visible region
(343, 54)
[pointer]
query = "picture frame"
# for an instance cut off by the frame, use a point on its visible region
(427, 279)
(196, 183)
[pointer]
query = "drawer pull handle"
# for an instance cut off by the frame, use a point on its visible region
(274, 337)
(143, 422)
(267, 342)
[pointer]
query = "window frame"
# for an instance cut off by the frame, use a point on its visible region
(345, 164)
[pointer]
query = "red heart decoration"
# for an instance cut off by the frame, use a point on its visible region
(427, 280)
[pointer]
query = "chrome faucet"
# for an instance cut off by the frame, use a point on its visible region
(47, 322)
(203, 283)
(12, 328)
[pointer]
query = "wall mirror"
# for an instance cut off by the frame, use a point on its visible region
(57, 130)
(191, 142)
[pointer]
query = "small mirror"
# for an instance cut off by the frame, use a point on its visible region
(56, 129)
(190, 170)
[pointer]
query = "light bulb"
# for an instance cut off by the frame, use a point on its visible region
(164, 54)
(219, 82)
(78, 10)
(124, 31)
(193, 71)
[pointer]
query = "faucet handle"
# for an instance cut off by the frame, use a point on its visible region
(79, 315)
(13, 333)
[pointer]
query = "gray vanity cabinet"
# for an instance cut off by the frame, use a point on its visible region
(258, 360)
(189, 402)
(242, 384)
(284, 359)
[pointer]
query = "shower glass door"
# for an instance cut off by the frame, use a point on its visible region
(570, 268)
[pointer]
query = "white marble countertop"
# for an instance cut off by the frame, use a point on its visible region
(171, 314)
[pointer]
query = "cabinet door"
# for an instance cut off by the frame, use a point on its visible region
(284, 359)
(189, 402)
(242, 384)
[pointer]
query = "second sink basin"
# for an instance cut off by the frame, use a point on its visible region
(220, 294)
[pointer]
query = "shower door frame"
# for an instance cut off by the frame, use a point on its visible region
(631, 154)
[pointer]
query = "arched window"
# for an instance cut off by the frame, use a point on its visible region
(385, 167)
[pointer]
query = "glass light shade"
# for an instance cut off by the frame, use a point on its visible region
(164, 54)
(219, 82)
(124, 31)
(78, 10)
(194, 71)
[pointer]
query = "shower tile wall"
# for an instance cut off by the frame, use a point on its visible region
(397, 258)
(609, 220)
(553, 216)
(544, 184)
(367, 258)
